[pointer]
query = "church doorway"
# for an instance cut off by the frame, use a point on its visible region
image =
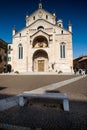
(40, 65)
(40, 61)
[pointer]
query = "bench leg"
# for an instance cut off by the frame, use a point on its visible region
(66, 105)
(21, 101)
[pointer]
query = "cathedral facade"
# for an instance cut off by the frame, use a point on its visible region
(43, 45)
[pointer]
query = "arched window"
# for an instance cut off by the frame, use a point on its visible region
(62, 32)
(40, 28)
(62, 50)
(40, 42)
(20, 51)
(46, 16)
(33, 17)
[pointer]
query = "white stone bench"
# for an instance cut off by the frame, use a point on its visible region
(58, 96)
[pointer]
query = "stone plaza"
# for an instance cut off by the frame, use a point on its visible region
(41, 114)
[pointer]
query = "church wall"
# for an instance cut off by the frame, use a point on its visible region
(53, 34)
(66, 63)
(19, 64)
(53, 52)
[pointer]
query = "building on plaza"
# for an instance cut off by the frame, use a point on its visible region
(3, 54)
(43, 45)
(80, 63)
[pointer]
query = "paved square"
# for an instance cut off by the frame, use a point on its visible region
(42, 116)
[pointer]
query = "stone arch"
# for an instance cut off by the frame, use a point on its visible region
(40, 42)
(40, 61)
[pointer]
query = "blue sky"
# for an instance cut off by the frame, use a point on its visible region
(13, 12)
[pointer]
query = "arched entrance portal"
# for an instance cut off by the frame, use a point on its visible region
(40, 42)
(40, 61)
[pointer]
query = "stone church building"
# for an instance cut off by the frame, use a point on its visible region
(43, 45)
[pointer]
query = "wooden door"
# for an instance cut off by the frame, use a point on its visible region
(40, 65)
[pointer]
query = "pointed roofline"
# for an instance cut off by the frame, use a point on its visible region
(42, 32)
(41, 9)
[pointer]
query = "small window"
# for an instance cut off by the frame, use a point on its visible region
(59, 25)
(46, 16)
(20, 34)
(6, 51)
(34, 18)
(5, 58)
(9, 58)
(62, 32)
(9, 47)
(0, 58)
(9, 52)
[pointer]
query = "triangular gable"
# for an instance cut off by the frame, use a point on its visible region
(40, 14)
(40, 32)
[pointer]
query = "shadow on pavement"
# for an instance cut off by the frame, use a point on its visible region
(3, 96)
(47, 118)
(1, 88)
